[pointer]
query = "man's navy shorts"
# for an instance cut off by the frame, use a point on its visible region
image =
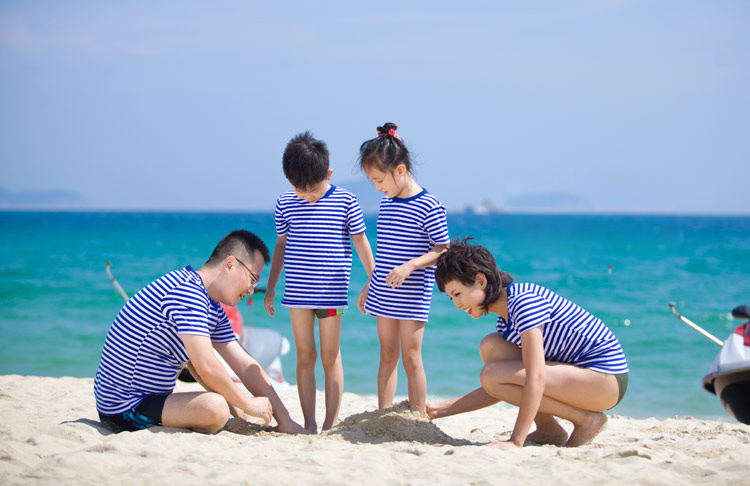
(146, 414)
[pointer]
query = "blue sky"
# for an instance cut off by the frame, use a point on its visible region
(605, 106)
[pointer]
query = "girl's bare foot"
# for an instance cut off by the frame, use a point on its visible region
(586, 431)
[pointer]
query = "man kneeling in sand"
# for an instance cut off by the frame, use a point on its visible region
(177, 319)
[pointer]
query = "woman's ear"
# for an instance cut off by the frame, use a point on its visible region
(481, 280)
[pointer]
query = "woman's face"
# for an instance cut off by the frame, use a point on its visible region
(468, 298)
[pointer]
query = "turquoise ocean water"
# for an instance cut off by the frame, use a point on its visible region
(57, 302)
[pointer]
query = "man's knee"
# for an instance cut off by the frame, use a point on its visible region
(216, 411)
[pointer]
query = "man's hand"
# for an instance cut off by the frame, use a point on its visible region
(260, 407)
(268, 302)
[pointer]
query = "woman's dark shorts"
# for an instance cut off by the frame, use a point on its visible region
(622, 385)
(146, 414)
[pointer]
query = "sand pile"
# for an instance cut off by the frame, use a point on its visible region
(393, 424)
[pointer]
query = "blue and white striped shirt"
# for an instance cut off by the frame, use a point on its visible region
(318, 253)
(407, 228)
(570, 334)
(143, 351)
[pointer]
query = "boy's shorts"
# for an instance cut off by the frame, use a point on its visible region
(146, 414)
(323, 313)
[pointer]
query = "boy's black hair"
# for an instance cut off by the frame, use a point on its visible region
(462, 261)
(305, 161)
(385, 151)
(239, 243)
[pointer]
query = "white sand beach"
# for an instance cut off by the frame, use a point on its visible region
(49, 434)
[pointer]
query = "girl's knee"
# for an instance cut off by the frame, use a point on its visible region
(412, 362)
(389, 355)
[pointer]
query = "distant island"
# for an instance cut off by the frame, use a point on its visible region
(40, 198)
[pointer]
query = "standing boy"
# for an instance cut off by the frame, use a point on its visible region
(315, 223)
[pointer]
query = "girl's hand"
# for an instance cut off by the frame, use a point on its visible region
(397, 276)
(362, 298)
(268, 302)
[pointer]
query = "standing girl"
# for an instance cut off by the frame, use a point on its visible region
(412, 233)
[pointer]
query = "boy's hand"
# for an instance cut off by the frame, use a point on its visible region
(260, 407)
(268, 302)
(362, 299)
(397, 276)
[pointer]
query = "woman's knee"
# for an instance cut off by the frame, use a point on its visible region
(494, 348)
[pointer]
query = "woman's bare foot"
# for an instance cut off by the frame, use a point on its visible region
(586, 431)
(555, 437)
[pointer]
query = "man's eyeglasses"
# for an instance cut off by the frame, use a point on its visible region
(253, 278)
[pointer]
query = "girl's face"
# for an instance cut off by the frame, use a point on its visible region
(391, 183)
(468, 298)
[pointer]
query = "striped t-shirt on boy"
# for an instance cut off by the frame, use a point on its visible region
(407, 228)
(318, 253)
(570, 334)
(143, 351)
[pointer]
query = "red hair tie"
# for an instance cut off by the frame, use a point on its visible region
(391, 132)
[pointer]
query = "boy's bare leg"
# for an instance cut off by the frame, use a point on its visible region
(303, 327)
(411, 334)
(388, 335)
(330, 355)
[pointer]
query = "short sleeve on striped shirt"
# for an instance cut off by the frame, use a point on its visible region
(355, 221)
(222, 333)
(436, 225)
(529, 311)
(188, 309)
(282, 225)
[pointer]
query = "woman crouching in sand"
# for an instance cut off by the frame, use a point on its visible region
(549, 357)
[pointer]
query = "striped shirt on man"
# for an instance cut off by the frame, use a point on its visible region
(143, 351)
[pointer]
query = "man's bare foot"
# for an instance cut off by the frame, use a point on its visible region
(586, 431)
(555, 437)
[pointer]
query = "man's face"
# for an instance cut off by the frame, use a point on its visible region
(242, 277)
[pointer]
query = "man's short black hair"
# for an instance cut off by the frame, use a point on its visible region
(305, 161)
(239, 243)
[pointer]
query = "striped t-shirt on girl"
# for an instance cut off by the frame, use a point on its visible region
(407, 228)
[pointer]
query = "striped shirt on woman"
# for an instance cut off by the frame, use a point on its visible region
(570, 334)
(143, 351)
(318, 253)
(407, 228)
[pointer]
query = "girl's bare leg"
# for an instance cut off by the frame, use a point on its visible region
(388, 335)
(412, 333)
